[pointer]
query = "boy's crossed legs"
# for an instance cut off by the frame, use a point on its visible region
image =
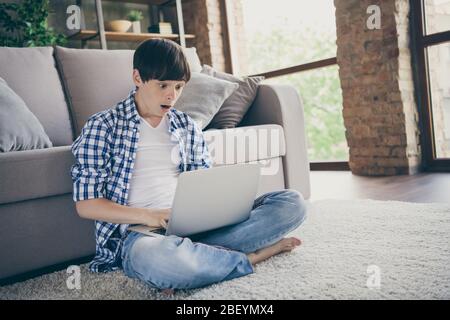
(222, 254)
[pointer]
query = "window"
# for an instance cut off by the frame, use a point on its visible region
(431, 35)
(294, 42)
(437, 16)
(286, 33)
(322, 100)
(439, 69)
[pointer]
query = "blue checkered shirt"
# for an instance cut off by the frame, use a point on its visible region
(104, 158)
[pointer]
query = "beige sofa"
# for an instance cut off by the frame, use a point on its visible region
(39, 226)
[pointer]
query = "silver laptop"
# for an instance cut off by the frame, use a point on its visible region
(209, 199)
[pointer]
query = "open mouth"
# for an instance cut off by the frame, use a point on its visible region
(166, 106)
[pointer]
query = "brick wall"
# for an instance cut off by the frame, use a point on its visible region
(203, 19)
(206, 19)
(380, 114)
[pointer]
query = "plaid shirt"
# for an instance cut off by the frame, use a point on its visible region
(105, 152)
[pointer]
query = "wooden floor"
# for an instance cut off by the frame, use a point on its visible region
(423, 187)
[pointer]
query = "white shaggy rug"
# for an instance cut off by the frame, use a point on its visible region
(360, 249)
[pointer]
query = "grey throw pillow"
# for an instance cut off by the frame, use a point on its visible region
(236, 106)
(19, 127)
(203, 96)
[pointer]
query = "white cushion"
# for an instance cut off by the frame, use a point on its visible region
(193, 59)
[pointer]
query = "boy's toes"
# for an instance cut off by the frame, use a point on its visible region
(289, 243)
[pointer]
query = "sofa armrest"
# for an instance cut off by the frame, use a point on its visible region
(281, 104)
(34, 174)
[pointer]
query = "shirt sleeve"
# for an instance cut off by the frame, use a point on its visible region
(199, 153)
(92, 160)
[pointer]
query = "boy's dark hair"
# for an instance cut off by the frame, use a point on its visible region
(161, 59)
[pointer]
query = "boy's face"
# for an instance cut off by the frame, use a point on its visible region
(157, 96)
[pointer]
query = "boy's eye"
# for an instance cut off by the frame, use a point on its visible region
(163, 86)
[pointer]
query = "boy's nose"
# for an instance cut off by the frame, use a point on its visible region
(172, 97)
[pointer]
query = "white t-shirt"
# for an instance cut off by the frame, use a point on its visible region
(156, 168)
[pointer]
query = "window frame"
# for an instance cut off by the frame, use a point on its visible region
(420, 41)
(318, 64)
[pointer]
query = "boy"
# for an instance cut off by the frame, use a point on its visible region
(127, 162)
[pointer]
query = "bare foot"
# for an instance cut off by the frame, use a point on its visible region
(286, 244)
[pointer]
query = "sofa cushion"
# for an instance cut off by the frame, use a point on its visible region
(245, 144)
(202, 97)
(95, 80)
(19, 127)
(42, 232)
(235, 106)
(35, 173)
(49, 169)
(272, 175)
(32, 74)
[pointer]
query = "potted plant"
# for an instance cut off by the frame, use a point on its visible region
(135, 16)
(24, 24)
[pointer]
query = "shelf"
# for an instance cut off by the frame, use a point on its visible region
(103, 36)
(153, 2)
(124, 36)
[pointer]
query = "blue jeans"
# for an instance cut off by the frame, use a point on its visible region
(218, 255)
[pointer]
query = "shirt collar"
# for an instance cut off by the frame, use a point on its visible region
(130, 108)
(131, 112)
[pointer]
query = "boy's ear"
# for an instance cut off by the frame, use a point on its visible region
(137, 78)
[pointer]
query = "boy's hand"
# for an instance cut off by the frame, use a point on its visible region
(157, 217)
